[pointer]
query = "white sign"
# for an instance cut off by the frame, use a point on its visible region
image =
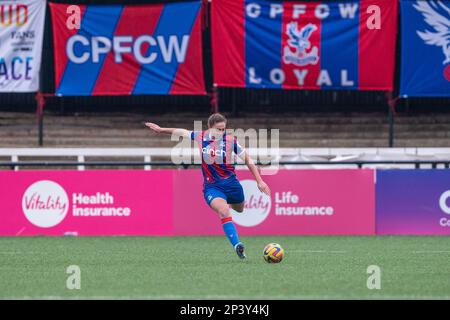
(45, 204)
(21, 35)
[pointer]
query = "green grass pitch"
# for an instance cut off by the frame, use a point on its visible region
(207, 268)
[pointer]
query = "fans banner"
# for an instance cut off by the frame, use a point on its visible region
(128, 49)
(304, 45)
(425, 63)
(21, 35)
(413, 202)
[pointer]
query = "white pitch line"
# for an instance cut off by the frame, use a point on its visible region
(20, 252)
(230, 297)
(317, 251)
(20, 231)
(436, 251)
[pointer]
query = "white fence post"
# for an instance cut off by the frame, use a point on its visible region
(147, 158)
(81, 159)
(15, 158)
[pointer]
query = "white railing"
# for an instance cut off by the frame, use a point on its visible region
(282, 154)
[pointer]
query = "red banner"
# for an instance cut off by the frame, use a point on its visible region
(329, 45)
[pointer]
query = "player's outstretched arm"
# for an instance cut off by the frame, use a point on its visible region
(175, 131)
(262, 186)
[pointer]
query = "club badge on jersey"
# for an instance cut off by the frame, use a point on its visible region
(218, 162)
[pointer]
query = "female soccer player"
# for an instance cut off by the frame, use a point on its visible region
(221, 188)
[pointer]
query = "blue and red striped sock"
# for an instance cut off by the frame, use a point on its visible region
(230, 230)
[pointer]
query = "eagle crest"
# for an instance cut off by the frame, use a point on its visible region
(437, 15)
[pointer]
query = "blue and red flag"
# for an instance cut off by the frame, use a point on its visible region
(425, 66)
(128, 49)
(304, 45)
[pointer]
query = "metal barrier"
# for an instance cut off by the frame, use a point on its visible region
(359, 164)
(289, 158)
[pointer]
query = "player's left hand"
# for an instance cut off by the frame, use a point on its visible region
(264, 188)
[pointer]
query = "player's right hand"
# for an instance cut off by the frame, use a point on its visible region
(153, 126)
(263, 187)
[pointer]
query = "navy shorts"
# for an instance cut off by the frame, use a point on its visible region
(229, 189)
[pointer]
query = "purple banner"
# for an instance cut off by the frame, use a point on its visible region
(413, 202)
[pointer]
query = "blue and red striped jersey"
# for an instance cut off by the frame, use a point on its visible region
(217, 155)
